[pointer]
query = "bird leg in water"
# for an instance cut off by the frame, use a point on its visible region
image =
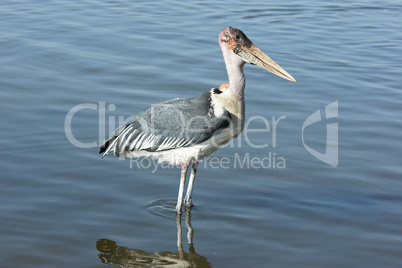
(184, 168)
(187, 201)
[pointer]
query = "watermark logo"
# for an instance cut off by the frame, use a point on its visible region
(266, 130)
(331, 149)
(241, 161)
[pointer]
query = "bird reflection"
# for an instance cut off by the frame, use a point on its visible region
(111, 253)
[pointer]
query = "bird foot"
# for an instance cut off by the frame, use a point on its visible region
(188, 203)
(178, 209)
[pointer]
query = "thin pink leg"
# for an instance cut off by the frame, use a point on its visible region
(188, 200)
(184, 168)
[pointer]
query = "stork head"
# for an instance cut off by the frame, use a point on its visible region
(238, 49)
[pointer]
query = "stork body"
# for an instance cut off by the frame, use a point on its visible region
(183, 131)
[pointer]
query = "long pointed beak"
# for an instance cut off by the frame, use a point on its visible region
(255, 56)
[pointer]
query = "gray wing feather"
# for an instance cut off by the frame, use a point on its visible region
(168, 125)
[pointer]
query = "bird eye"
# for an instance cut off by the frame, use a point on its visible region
(237, 36)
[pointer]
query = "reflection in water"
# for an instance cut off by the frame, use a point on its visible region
(110, 253)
